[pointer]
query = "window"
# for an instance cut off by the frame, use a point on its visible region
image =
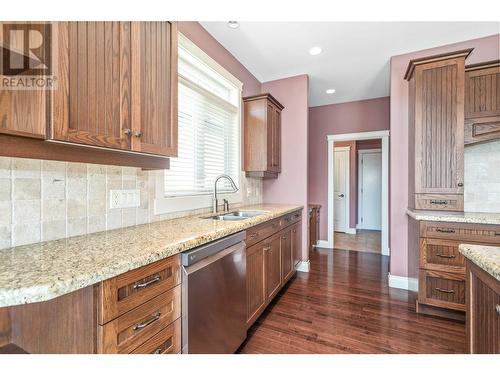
(209, 126)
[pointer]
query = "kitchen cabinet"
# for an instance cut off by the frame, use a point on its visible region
(287, 255)
(273, 250)
(262, 136)
(272, 265)
(434, 259)
(483, 311)
(116, 89)
(482, 102)
(436, 128)
(24, 112)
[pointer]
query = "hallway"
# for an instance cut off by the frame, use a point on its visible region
(368, 241)
(344, 305)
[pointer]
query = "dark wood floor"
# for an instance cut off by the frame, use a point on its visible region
(344, 305)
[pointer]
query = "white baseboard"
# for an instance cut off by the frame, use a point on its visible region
(386, 251)
(402, 282)
(351, 231)
(304, 266)
(323, 244)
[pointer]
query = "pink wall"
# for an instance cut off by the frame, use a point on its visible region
(352, 117)
(291, 185)
(485, 49)
(199, 36)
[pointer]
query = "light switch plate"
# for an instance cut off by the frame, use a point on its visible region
(124, 198)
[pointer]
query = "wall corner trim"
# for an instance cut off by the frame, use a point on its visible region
(401, 282)
(303, 266)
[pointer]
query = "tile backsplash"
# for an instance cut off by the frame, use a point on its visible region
(46, 200)
(482, 177)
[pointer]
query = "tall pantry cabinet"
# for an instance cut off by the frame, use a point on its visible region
(436, 128)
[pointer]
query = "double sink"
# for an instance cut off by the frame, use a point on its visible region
(236, 215)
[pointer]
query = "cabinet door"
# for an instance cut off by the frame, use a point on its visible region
(439, 128)
(270, 137)
(272, 251)
(92, 99)
(256, 288)
(22, 112)
(482, 92)
(287, 265)
(277, 140)
(483, 312)
(297, 243)
(154, 87)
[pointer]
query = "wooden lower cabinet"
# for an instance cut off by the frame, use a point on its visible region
(271, 263)
(439, 266)
(483, 311)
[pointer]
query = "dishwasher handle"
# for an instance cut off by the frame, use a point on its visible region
(239, 247)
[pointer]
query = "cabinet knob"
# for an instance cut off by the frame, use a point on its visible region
(460, 184)
(138, 134)
(497, 308)
(127, 131)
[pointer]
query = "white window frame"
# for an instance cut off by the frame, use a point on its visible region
(164, 204)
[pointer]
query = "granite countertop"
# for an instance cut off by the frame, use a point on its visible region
(485, 257)
(455, 217)
(42, 271)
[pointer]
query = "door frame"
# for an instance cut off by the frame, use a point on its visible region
(347, 186)
(384, 135)
(360, 179)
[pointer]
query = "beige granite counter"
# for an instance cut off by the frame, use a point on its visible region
(455, 217)
(39, 272)
(485, 257)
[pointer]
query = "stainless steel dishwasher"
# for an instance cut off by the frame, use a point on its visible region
(214, 296)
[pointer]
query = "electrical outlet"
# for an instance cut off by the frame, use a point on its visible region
(124, 198)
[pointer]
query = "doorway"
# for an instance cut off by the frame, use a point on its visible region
(370, 189)
(383, 235)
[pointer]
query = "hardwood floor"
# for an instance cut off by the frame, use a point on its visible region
(364, 240)
(344, 305)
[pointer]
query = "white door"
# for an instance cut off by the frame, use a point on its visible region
(370, 192)
(341, 175)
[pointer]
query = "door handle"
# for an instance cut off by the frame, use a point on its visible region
(341, 195)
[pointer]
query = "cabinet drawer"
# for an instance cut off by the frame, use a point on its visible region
(290, 219)
(262, 231)
(129, 290)
(129, 331)
(442, 289)
(167, 341)
(439, 202)
(461, 232)
(441, 255)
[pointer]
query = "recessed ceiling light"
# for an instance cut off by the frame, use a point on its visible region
(330, 91)
(233, 24)
(315, 51)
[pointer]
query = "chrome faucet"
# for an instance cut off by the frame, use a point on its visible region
(215, 202)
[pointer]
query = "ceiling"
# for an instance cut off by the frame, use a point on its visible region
(355, 57)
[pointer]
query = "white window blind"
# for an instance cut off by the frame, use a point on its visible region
(209, 134)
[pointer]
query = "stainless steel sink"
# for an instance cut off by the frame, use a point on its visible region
(236, 215)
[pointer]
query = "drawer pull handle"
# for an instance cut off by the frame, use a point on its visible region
(445, 256)
(283, 237)
(433, 201)
(449, 291)
(147, 283)
(153, 319)
(288, 219)
(497, 234)
(295, 231)
(445, 230)
(253, 235)
(267, 248)
(157, 351)
(497, 308)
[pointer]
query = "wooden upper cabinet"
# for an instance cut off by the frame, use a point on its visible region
(436, 122)
(262, 145)
(118, 85)
(154, 87)
(92, 101)
(23, 112)
(482, 102)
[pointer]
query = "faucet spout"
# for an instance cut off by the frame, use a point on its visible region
(215, 203)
